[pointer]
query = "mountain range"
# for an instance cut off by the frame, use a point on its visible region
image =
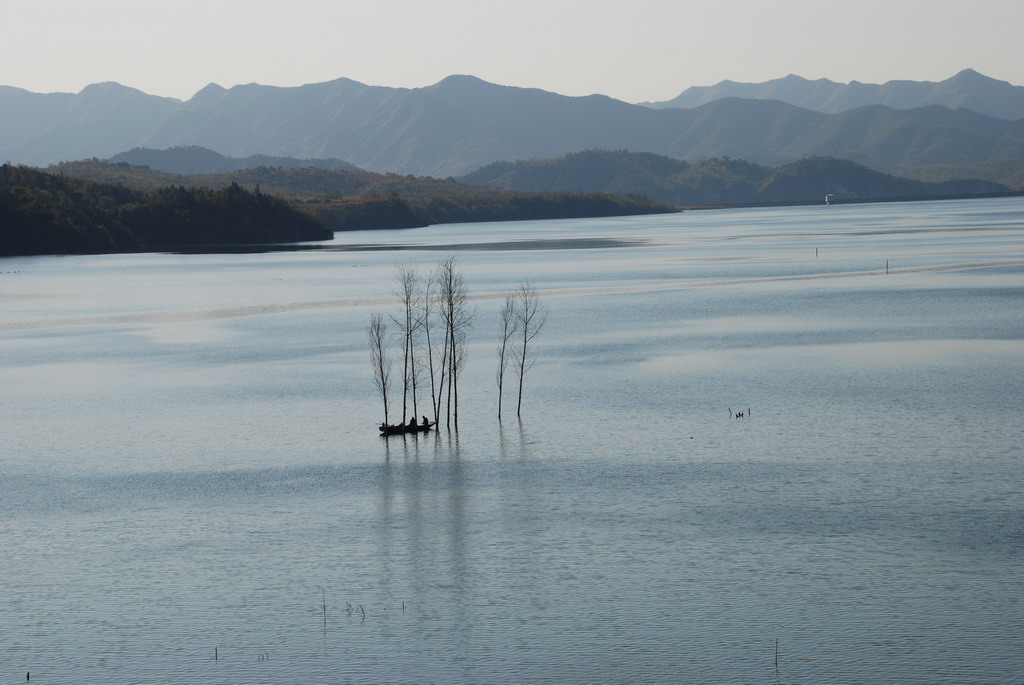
(966, 90)
(463, 123)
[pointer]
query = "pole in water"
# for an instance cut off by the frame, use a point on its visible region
(776, 652)
(887, 266)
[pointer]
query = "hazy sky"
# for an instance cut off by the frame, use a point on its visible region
(633, 50)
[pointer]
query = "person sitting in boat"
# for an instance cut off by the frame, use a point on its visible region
(412, 422)
(426, 422)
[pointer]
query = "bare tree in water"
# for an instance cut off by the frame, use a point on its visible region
(508, 330)
(377, 336)
(457, 317)
(530, 317)
(428, 307)
(408, 323)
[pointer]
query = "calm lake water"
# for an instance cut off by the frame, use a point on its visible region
(193, 490)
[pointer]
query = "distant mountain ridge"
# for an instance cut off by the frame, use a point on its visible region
(966, 90)
(463, 123)
(100, 121)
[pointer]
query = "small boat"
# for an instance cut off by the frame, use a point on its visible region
(399, 428)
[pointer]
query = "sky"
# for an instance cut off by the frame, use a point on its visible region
(633, 50)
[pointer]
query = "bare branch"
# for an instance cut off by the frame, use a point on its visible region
(377, 337)
(508, 330)
(530, 317)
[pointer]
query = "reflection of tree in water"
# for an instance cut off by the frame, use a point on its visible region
(515, 447)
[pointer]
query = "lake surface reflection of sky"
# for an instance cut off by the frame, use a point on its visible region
(192, 488)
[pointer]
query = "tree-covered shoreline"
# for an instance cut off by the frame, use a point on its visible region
(42, 213)
(359, 200)
(396, 211)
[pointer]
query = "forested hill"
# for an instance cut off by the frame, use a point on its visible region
(193, 159)
(304, 182)
(718, 181)
(43, 213)
(356, 200)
